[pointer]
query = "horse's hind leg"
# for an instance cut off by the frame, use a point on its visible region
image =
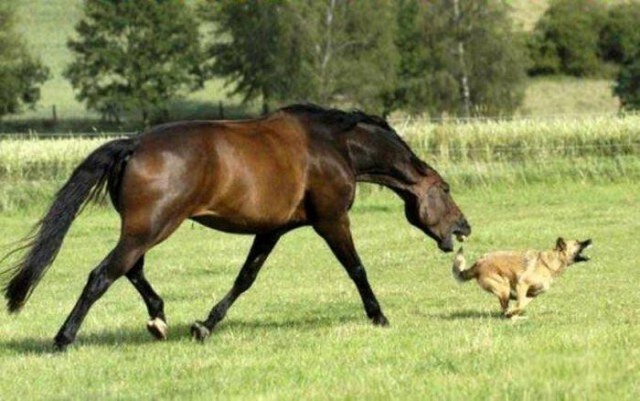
(261, 248)
(117, 263)
(157, 325)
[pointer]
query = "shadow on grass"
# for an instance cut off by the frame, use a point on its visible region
(177, 333)
(470, 314)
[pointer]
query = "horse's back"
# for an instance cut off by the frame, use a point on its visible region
(236, 176)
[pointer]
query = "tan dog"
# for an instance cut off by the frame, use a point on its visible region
(520, 275)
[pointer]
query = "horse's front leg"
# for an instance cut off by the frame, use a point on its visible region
(337, 234)
(262, 246)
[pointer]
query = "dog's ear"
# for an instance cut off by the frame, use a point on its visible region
(560, 244)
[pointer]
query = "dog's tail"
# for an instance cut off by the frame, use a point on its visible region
(459, 268)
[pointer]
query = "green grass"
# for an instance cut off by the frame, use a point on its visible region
(300, 332)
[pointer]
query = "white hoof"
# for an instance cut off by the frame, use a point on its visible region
(158, 328)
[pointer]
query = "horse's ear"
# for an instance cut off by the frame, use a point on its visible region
(561, 245)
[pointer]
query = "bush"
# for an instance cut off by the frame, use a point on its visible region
(627, 86)
(566, 39)
(431, 69)
(21, 74)
(134, 56)
(620, 36)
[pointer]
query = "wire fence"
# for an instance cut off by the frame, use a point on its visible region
(408, 120)
(401, 124)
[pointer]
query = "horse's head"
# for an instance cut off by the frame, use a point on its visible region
(379, 155)
(430, 207)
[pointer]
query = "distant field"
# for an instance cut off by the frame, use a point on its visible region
(569, 96)
(527, 12)
(478, 154)
(47, 26)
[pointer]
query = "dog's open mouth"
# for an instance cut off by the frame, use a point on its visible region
(584, 245)
(461, 237)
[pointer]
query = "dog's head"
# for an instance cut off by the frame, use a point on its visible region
(573, 249)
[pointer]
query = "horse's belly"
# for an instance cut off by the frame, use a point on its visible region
(240, 223)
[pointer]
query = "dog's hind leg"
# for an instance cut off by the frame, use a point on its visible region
(504, 303)
(523, 301)
(499, 287)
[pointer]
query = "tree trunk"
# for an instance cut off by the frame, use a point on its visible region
(145, 117)
(463, 78)
(327, 51)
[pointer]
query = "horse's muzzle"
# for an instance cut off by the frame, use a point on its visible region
(462, 229)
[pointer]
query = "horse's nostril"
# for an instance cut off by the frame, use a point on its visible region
(463, 227)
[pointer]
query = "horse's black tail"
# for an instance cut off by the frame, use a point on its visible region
(86, 183)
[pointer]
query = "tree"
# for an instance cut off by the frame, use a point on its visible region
(135, 56)
(20, 73)
(257, 48)
(459, 57)
(331, 51)
(566, 38)
(620, 43)
(353, 56)
(627, 86)
(620, 36)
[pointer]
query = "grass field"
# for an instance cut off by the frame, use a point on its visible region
(300, 332)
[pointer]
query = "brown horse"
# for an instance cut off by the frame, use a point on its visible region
(295, 167)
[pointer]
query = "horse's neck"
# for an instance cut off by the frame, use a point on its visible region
(383, 166)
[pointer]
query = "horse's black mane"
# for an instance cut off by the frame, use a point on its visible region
(344, 119)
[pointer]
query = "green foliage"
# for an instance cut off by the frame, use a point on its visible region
(134, 56)
(620, 36)
(627, 86)
(621, 44)
(354, 56)
(257, 46)
(566, 38)
(430, 70)
(326, 52)
(21, 74)
(373, 54)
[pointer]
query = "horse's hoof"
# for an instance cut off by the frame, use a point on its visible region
(59, 347)
(60, 343)
(199, 332)
(380, 321)
(158, 328)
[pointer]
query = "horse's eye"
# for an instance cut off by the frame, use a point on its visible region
(446, 188)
